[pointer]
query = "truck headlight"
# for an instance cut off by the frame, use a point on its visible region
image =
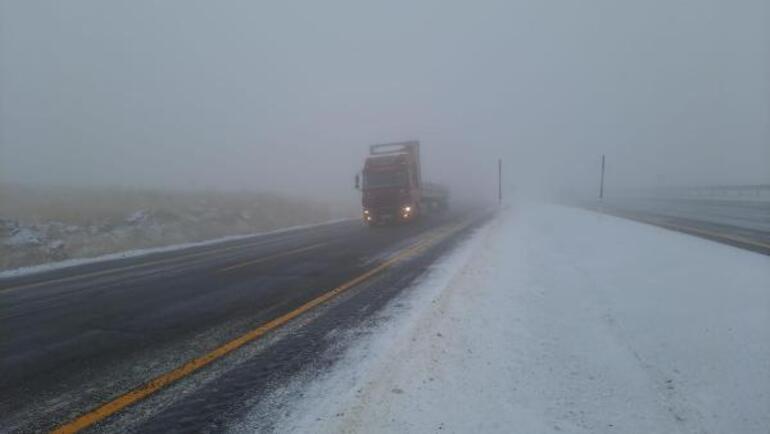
(407, 209)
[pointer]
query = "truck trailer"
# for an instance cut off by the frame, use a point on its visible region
(393, 190)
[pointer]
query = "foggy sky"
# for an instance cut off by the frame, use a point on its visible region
(286, 95)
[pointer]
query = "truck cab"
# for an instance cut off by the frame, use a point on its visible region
(393, 190)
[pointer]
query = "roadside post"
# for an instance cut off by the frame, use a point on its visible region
(601, 184)
(500, 182)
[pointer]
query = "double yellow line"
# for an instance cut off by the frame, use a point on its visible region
(102, 412)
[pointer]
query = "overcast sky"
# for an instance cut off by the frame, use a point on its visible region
(286, 95)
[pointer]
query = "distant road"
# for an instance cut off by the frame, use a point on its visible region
(182, 341)
(741, 223)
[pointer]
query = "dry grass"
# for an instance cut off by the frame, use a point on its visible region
(76, 223)
(78, 206)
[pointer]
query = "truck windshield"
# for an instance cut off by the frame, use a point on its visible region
(384, 179)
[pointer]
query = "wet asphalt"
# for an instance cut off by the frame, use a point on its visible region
(73, 339)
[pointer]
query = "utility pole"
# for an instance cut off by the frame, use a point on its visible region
(500, 181)
(601, 185)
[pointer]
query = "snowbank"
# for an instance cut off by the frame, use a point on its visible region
(555, 319)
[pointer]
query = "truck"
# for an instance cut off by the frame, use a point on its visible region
(393, 190)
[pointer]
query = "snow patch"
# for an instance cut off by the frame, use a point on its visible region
(24, 237)
(138, 217)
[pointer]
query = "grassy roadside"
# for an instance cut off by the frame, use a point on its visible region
(45, 224)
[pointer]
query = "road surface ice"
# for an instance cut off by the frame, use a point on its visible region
(554, 319)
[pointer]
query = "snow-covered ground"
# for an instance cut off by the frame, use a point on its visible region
(555, 319)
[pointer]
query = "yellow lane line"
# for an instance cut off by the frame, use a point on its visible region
(158, 383)
(136, 266)
(271, 257)
(717, 235)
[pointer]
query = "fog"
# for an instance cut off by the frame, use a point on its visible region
(286, 96)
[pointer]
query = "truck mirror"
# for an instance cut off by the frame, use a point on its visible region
(358, 182)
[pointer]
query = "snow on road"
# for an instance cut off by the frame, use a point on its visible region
(554, 319)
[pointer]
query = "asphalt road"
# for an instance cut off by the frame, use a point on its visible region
(744, 224)
(191, 340)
